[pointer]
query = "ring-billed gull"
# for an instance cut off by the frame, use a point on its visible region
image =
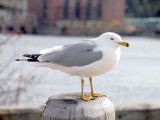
(86, 58)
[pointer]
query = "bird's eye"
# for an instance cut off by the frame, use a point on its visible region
(112, 38)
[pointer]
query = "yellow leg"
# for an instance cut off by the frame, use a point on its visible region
(92, 93)
(82, 92)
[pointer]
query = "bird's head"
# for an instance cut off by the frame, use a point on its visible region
(114, 39)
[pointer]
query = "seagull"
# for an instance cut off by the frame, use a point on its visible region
(86, 59)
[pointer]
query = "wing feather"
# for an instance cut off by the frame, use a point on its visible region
(79, 54)
(48, 50)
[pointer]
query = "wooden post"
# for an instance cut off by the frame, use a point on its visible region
(71, 107)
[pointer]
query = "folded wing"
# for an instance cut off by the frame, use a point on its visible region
(79, 54)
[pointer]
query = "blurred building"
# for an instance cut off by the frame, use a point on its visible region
(14, 16)
(18, 4)
(78, 16)
(49, 11)
(12, 11)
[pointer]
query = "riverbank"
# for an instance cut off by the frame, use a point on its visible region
(130, 27)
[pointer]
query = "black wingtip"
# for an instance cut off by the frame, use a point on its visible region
(26, 55)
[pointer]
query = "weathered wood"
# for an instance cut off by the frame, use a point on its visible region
(71, 107)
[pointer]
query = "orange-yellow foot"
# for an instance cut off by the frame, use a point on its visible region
(97, 95)
(87, 98)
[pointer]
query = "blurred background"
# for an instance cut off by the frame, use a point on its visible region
(28, 26)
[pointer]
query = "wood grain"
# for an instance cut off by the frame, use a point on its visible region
(70, 107)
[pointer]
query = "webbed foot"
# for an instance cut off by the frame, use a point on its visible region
(97, 95)
(87, 98)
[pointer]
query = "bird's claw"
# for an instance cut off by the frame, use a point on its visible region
(98, 95)
(87, 98)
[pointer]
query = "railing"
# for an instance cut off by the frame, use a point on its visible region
(139, 111)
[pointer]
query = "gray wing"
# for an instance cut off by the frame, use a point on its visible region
(79, 54)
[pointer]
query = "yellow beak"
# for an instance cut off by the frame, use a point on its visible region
(124, 44)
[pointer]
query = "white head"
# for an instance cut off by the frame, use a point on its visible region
(112, 39)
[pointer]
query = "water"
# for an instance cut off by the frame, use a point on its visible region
(136, 78)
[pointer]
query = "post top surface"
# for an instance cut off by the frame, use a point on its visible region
(70, 106)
